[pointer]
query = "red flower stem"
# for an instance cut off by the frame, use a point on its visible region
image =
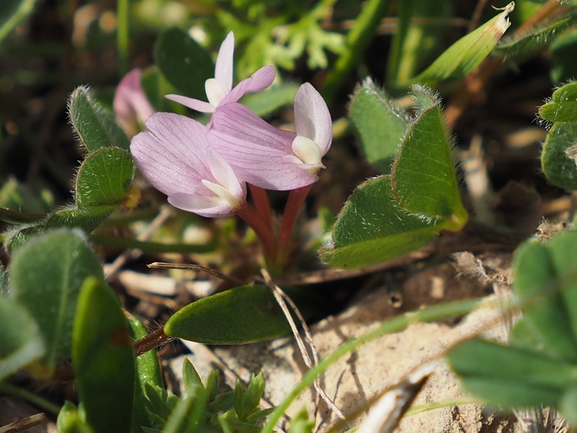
(293, 206)
(262, 204)
(262, 229)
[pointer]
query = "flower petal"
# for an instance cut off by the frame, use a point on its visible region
(174, 155)
(312, 117)
(256, 150)
(258, 81)
(224, 63)
(130, 103)
(193, 104)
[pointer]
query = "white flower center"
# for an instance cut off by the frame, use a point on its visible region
(307, 150)
(222, 193)
(214, 91)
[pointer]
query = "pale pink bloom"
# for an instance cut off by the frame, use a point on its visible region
(219, 90)
(131, 106)
(175, 156)
(271, 158)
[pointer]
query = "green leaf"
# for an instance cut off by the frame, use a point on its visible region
(21, 341)
(564, 66)
(301, 423)
(70, 420)
(567, 405)
(563, 250)
(372, 228)
(103, 359)
(96, 127)
(183, 62)
(46, 275)
(147, 372)
(251, 314)
(266, 102)
(12, 13)
(537, 287)
(417, 37)
(557, 166)
(468, 52)
(424, 180)
(18, 197)
(520, 377)
(104, 178)
(563, 105)
(190, 378)
(253, 393)
(379, 124)
(536, 38)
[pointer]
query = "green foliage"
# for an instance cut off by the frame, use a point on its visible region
(391, 215)
(102, 183)
(71, 420)
(202, 409)
(538, 38)
(46, 275)
(562, 52)
(12, 13)
(562, 107)
(468, 52)
(251, 312)
(418, 36)
(95, 127)
(538, 366)
(184, 63)
(103, 358)
(556, 163)
(378, 123)
(21, 341)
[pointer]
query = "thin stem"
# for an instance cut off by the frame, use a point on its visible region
(262, 204)
(262, 229)
(7, 388)
(153, 340)
(293, 206)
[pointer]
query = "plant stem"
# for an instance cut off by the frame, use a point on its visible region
(293, 206)
(262, 229)
(262, 204)
(153, 340)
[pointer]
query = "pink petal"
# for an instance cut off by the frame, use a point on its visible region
(257, 151)
(312, 117)
(194, 104)
(130, 103)
(258, 81)
(174, 155)
(224, 63)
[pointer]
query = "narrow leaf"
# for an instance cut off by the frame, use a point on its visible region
(537, 38)
(266, 102)
(96, 128)
(46, 275)
(372, 228)
(251, 315)
(468, 52)
(379, 124)
(103, 359)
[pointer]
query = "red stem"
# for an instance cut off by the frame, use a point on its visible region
(262, 204)
(262, 229)
(293, 206)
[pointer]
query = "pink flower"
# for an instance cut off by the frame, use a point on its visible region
(219, 89)
(271, 158)
(131, 104)
(175, 156)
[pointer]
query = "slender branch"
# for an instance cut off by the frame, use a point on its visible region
(153, 340)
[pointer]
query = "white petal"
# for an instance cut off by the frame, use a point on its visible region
(224, 64)
(312, 117)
